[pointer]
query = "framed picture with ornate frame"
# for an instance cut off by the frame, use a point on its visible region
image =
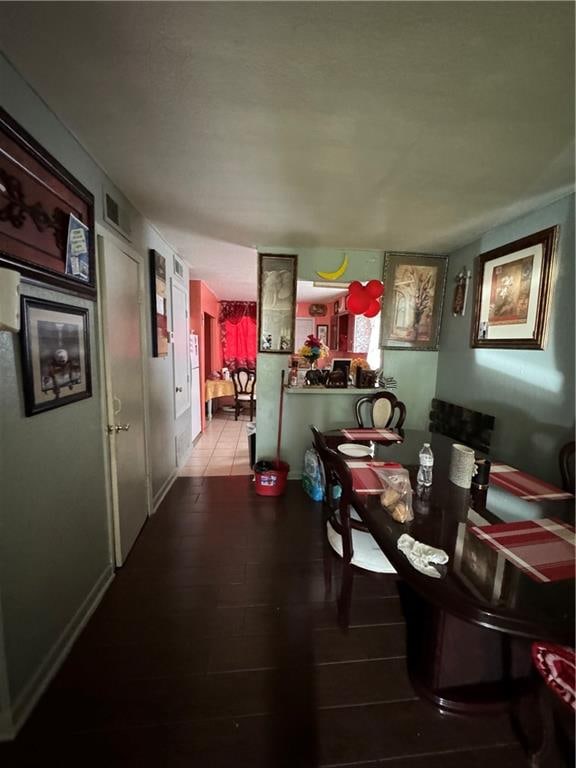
(55, 354)
(276, 302)
(46, 215)
(513, 293)
(412, 303)
(159, 304)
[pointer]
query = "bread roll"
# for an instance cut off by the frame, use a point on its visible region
(389, 497)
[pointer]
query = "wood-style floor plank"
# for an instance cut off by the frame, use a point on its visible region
(217, 645)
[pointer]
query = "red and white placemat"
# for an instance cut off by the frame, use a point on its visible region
(544, 549)
(525, 486)
(365, 479)
(372, 434)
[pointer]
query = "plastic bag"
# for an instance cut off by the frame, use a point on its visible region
(313, 475)
(396, 494)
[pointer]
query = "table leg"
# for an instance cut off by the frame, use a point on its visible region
(459, 666)
(209, 410)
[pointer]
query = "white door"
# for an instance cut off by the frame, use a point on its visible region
(121, 287)
(181, 350)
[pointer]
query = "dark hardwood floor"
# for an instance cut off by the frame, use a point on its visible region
(215, 646)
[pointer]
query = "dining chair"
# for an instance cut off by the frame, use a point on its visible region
(379, 411)
(343, 530)
(566, 459)
(244, 380)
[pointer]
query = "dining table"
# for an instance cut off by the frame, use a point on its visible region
(215, 388)
(469, 631)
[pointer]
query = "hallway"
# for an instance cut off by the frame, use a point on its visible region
(222, 449)
(214, 647)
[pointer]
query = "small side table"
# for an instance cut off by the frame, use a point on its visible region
(216, 388)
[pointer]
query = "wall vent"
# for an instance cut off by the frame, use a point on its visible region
(116, 215)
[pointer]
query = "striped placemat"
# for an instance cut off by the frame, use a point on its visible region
(372, 434)
(525, 486)
(544, 549)
(365, 479)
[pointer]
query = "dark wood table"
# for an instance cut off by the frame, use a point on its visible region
(469, 632)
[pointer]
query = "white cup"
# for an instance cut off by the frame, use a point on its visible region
(461, 465)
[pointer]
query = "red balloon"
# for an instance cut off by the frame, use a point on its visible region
(358, 303)
(355, 287)
(374, 288)
(373, 308)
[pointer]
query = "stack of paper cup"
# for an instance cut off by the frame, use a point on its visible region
(461, 465)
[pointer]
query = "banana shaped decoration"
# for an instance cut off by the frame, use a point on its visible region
(335, 275)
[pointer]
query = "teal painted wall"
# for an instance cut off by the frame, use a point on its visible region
(530, 392)
(54, 533)
(414, 371)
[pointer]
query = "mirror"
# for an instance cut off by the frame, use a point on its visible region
(322, 311)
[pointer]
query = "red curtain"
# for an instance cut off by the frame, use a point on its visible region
(238, 333)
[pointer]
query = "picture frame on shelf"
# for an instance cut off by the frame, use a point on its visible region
(55, 354)
(277, 275)
(323, 333)
(413, 300)
(158, 304)
(513, 293)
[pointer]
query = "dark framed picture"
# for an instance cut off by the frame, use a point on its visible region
(412, 303)
(513, 293)
(276, 302)
(46, 215)
(55, 355)
(322, 333)
(158, 304)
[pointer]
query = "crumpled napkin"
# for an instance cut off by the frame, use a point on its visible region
(421, 555)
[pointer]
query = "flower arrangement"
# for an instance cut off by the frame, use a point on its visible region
(313, 349)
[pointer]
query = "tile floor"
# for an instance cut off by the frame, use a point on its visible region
(221, 450)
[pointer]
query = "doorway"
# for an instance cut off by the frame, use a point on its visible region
(208, 343)
(122, 274)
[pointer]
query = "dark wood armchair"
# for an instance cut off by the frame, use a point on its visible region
(566, 459)
(244, 381)
(380, 411)
(343, 530)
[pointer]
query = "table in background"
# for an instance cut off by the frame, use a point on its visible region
(216, 388)
(469, 632)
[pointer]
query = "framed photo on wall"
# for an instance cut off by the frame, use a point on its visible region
(322, 333)
(513, 293)
(46, 215)
(412, 303)
(158, 304)
(276, 302)
(55, 355)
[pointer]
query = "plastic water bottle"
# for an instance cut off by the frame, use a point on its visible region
(426, 463)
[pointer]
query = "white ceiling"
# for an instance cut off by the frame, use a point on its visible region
(387, 125)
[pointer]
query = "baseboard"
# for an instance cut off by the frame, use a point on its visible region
(159, 497)
(28, 697)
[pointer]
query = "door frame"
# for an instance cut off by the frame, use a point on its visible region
(103, 238)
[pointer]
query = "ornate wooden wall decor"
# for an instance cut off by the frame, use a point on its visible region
(37, 197)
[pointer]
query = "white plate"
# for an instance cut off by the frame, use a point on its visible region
(351, 449)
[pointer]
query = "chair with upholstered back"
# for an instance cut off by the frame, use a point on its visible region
(344, 531)
(244, 381)
(380, 411)
(566, 459)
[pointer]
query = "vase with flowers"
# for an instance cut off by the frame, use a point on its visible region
(312, 350)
